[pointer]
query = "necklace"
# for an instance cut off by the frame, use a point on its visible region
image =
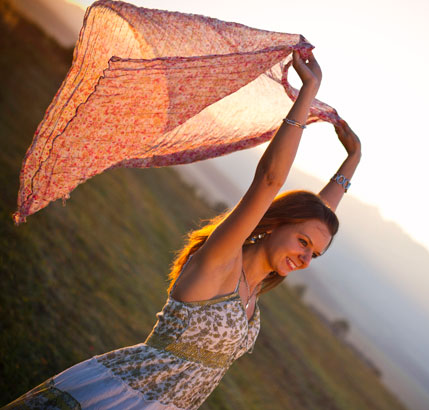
(249, 296)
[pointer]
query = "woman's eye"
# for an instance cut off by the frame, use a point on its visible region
(303, 242)
(314, 256)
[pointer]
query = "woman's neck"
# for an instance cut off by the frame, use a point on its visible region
(255, 264)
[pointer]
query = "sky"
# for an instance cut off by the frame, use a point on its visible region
(374, 58)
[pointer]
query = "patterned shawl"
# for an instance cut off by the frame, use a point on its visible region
(150, 88)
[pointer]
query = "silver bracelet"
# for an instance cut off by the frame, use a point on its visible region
(340, 179)
(294, 123)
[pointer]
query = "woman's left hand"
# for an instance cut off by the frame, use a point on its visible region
(333, 192)
(348, 138)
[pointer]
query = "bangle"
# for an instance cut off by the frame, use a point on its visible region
(294, 123)
(340, 179)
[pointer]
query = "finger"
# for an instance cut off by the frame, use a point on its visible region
(298, 62)
(341, 125)
(297, 57)
(347, 127)
(342, 135)
(311, 56)
(312, 63)
(339, 128)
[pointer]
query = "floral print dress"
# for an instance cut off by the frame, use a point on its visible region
(177, 367)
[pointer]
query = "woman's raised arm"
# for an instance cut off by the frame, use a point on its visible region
(270, 175)
(337, 186)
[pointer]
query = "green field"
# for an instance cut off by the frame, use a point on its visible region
(89, 277)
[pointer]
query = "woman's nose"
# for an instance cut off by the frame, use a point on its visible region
(305, 258)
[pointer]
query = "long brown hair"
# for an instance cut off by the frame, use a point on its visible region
(288, 208)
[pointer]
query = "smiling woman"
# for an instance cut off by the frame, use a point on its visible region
(300, 242)
(211, 316)
(297, 227)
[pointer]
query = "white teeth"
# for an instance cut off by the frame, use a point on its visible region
(291, 264)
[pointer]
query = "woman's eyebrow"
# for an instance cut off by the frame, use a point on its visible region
(309, 239)
(311, 243)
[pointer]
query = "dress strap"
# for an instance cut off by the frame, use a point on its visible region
(239, 281)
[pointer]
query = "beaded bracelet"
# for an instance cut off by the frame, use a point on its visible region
(340, 179)
(294, 123)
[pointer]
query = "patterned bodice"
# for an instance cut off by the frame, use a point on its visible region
(213, 332)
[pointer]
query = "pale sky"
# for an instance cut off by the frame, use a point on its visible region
(374, 58)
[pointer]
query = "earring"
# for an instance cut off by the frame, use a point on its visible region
(257, 238)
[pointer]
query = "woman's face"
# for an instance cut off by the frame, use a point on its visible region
(291, 247)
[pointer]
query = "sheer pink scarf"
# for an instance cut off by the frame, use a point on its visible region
(152, 88)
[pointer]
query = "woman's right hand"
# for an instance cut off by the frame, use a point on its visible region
(308, 70)
(217, 265)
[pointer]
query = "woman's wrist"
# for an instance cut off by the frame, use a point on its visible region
(309, 90)
(300, 109)
(355, 155)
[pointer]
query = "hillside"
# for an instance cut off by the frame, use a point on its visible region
(89, 277)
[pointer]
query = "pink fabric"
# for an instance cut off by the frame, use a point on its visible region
(154, 88)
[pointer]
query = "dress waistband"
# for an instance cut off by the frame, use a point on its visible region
(189, 351)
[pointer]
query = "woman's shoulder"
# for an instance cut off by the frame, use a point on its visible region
(204, 279)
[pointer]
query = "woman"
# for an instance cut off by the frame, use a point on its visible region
(211, 316)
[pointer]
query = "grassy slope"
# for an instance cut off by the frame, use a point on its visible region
(88, 278)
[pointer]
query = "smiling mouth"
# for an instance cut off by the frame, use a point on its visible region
(291, 265)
